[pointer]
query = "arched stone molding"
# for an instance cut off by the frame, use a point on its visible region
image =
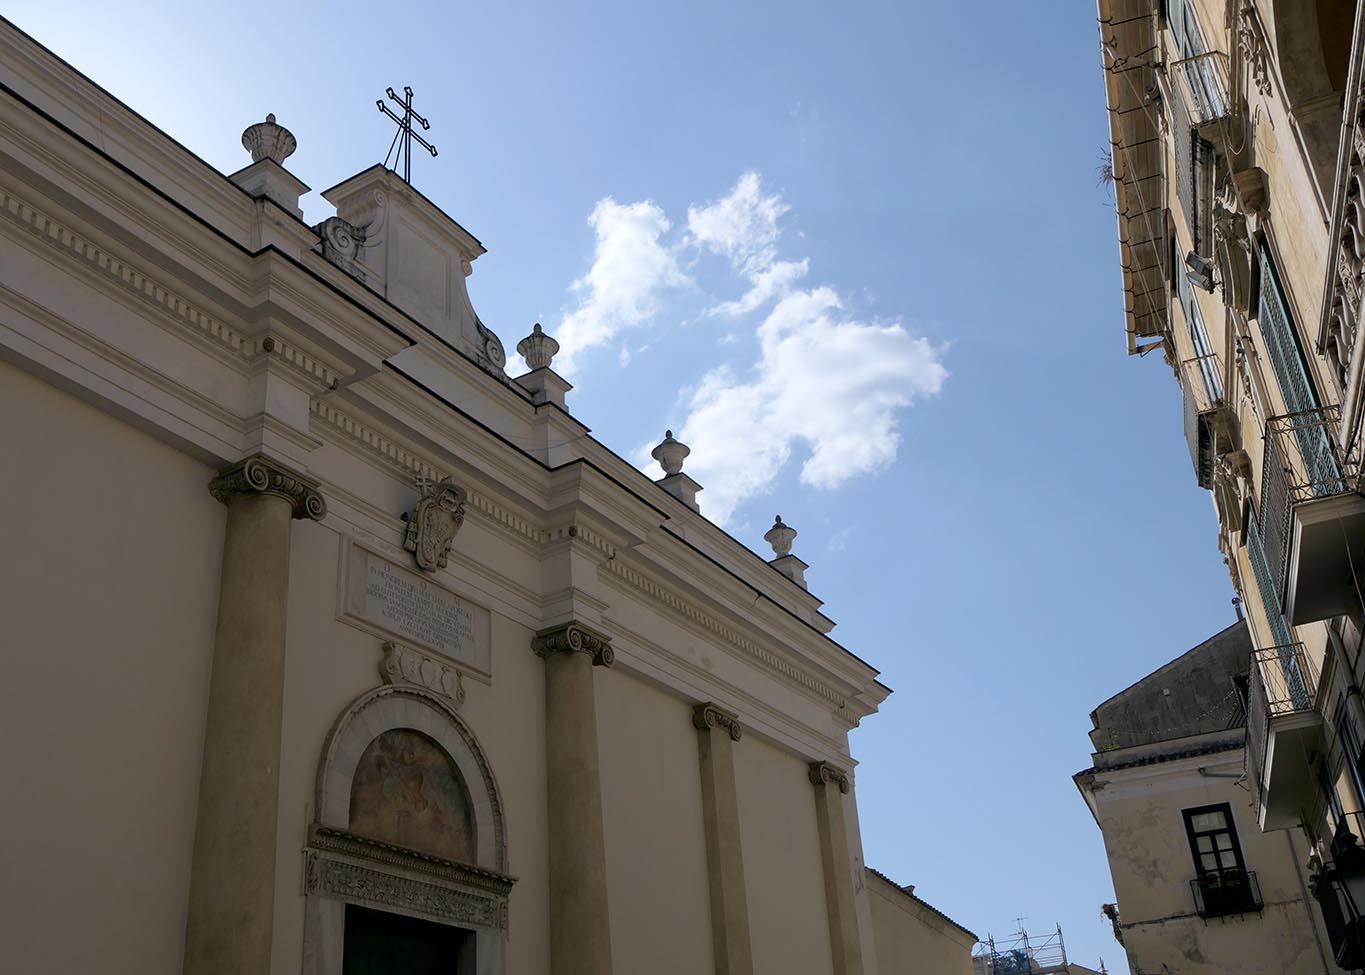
(1312, 53)
(343, 868)
(393, 706)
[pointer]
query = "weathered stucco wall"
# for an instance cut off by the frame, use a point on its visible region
(652, 815)
(911, 939)
(1140, 815)
(109, 595)
(782, 866)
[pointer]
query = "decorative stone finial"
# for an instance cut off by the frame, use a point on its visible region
(538, 349)
(267, 140)
(780, 537)
(670, 454)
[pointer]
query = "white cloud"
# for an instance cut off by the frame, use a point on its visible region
(775, 279)
(630, 269)
(743, 227)
(823, 381)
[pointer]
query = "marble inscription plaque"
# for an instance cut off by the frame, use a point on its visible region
(414, 610)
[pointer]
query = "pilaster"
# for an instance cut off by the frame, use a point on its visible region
(831, 784)
(717, 732)
(580, 933)
(232, 880)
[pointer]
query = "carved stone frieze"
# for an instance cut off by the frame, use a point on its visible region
(709, 716)
(433, 524)
(370, 885)
(259, 475)
(575, 637)
(403, 665)
(823, 773)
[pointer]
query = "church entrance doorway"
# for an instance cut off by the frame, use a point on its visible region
(380, 943)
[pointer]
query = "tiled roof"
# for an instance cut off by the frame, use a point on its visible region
(919, 900)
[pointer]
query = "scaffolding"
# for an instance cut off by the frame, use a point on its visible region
(1022, 954)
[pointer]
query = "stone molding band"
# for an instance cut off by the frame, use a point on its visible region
(575, 637)
(709, 716)
(823, 773)
(259, 475)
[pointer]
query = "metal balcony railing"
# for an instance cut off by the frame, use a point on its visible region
(1220, 893)
(1203, 81)
(1282, 680)
(1201, 381)
(1302, 461)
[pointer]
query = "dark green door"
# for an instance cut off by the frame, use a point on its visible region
(378, 943)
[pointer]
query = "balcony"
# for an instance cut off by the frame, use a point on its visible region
(1203, 81)
(1337, 887)
(1222, 893)
(1284, 731)
(1312, 517)
(1209, 424)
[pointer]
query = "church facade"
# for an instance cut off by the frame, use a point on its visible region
(333, 648)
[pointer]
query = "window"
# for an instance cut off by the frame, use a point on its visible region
(1222, 884)
(1213, 839)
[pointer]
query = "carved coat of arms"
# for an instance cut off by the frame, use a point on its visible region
(433, 524)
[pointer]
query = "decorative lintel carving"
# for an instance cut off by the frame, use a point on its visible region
(433, 524)
(709, 716)
(259, 475)
(376, 884)
(403, 665)
(823, 773)
(575, 637)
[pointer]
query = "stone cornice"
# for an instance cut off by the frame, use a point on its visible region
(682, 607)
(823, 773)
(575, 637)
(169, 305)
(340, 841)
(261, 475)
(709, 716)
(406, 462)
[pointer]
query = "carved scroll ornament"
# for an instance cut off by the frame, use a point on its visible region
(823, 773)
(707, 717)
(258, 475)
(575, 638)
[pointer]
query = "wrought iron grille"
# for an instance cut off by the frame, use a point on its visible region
(1220, 893)
(1282, 681)
(1202, 385)
(1203, 79)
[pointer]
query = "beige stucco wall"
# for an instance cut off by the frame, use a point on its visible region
(652, 815)
(911, 940)
(109, 593)
(782, 867)
(1140, 816)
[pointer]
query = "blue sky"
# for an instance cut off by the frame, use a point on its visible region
(858, 257)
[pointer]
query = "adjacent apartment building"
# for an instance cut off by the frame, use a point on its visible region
(1200, 888)
(333, 648)
(1237, 155)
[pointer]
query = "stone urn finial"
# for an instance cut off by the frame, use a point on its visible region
(538, 349)
(670, 454)
(780, 537)
(267, 140)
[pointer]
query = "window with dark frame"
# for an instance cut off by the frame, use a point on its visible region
(1222, 885)
(1213, 839)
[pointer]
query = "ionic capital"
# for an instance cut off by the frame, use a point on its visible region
(823, 773)
(709, 716)
(258, 475)
(575, 637)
